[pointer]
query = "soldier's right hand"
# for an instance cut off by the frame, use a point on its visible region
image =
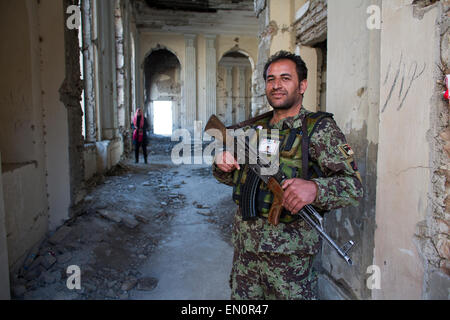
(226, 162)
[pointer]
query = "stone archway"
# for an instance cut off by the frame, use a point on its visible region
(162, 82)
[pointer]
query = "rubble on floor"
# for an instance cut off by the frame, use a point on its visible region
(122, 219)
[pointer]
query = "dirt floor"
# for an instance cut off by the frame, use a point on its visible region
(144, 231)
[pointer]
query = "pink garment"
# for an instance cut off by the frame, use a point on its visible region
(138, 134)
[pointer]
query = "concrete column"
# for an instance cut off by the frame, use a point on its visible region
(89, 74)
(229, 80)
(56, 115)
(190, 82)
(133, 74)
(4, 267)
(120, 62)
(211, 78)
(109, 112)
(241, 99)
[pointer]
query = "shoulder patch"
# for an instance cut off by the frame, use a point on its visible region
(346, 150)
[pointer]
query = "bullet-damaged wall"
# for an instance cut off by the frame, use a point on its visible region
(22, 143)
(55, 113)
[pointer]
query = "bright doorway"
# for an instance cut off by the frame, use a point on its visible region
(162, 118)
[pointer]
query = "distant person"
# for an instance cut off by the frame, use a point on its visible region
(140, 139)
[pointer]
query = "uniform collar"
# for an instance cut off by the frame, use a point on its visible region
(291, 122)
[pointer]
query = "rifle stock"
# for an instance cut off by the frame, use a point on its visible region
(277, 207)
(214, 123)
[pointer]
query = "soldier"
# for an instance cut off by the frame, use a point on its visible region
(275, 262)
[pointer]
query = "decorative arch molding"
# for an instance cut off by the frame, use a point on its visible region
(241, 51)
(158, 48)
(161, 59)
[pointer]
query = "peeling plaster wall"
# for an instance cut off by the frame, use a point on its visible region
(22, 143)
(281, 17)
(352, 96)
(55, 114)
(435, 230)
(113, 138)
(70, 95)
(404, 180)
(409, 245)
(108, 57)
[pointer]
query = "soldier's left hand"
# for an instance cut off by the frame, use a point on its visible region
(298, 193)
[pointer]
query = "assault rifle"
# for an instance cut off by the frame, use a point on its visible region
(274, 182)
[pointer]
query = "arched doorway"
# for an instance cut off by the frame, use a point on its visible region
(162, 91)
(234, 88)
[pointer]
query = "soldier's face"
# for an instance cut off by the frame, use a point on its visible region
(283, 89)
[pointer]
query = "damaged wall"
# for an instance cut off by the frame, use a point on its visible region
(353, 97)
(388, 90)
(70, 94)
(22, 143)
(43, 152)
(412, 246)
(110, 82)
(55, 128)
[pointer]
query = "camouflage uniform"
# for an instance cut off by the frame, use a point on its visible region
(275, 262)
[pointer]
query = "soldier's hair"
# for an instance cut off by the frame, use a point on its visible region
(302, 70)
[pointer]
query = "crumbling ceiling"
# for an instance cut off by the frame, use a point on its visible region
(234, 17)
(201, 5)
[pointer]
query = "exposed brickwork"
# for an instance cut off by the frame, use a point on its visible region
(433, 234)
(311, 28)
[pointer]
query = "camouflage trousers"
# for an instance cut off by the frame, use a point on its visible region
(272, 276)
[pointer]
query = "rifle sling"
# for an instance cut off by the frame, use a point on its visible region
(305, 149)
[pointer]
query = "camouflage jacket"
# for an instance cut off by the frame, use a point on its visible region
(341, 186)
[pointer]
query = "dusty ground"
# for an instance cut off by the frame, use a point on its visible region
(156, 231)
